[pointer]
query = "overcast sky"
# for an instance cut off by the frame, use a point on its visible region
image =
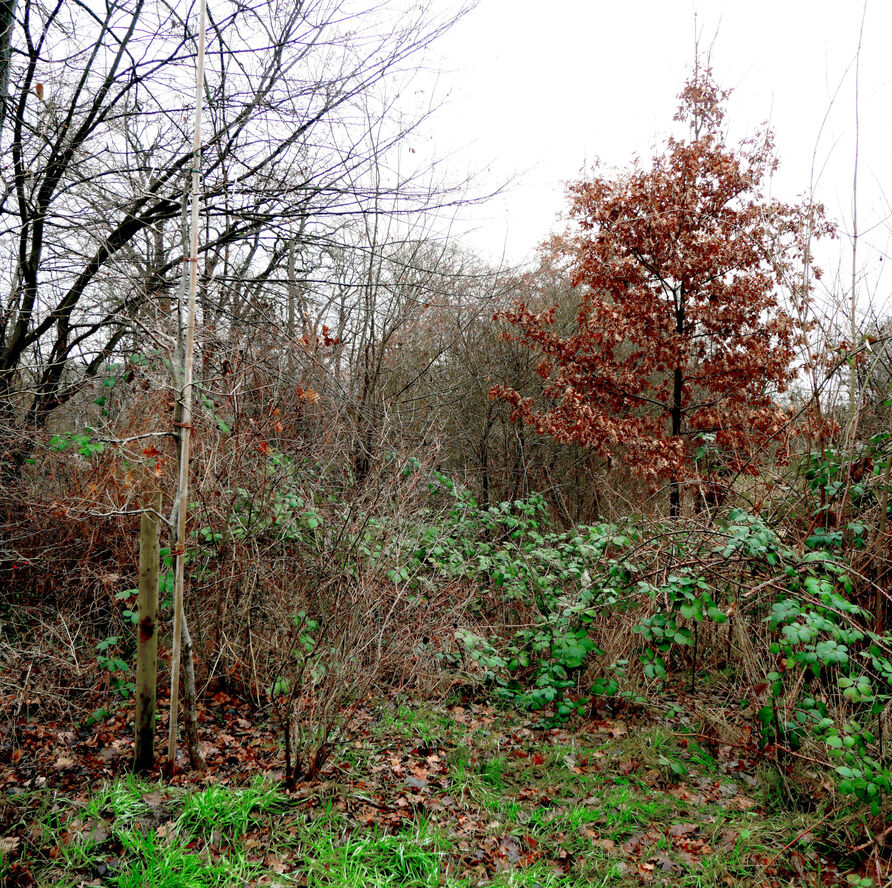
(538, 90)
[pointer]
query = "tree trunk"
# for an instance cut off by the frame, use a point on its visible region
(880, 544)
(182, 654)
(677, 403)
(190, 704)
(147, 639)
(484, 457)
(7, 23)
(674, 483)
(182, 641)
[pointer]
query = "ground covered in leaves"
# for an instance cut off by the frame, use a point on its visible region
(417, 795)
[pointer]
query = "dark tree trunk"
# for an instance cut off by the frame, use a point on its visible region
(674, 483)
(484, 458)
(147, 643)
(677, 409)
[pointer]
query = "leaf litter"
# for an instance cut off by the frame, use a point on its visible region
(505, 795)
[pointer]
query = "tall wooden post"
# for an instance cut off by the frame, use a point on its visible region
(147, 637)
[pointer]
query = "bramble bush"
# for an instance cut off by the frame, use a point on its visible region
(826, 677)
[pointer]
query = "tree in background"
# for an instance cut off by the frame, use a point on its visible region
(99, 152)
(681, 335)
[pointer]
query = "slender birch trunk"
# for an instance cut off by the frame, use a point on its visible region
(851, 434)
(182, 643)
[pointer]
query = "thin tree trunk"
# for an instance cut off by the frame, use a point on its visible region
(674, 483)
(677, 404)
(851, 435)
(186, 658)
(182, 644)
(881, 544)
(7, 23)
(853, 298)
(190, 703)
(147, 638)
(484, 456)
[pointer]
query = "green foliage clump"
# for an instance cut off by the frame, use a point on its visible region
(827, 676)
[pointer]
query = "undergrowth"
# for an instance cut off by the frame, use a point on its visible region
(496, 804)
(780, 626)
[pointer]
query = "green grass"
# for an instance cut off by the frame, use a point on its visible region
(466, 779)
(232, 812)
(417, 723)
(160, 865)
(629, 807)
(574, 812)
(555, 771)
(492, 772)
(121, 801)
(533, 877)
(83, 852)
(658, 750)
(600, 874)
(410, 859)
(116, 826)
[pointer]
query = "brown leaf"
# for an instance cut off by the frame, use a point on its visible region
(10, 844)
(689, 859)
(728, 839)
(664, 862)
(742, 803)
(511, 848)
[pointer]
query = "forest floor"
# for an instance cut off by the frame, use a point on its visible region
(417, 795)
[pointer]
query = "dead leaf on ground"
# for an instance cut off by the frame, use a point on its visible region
(680, 830)
(689, 860)
(664, 862)
(10, 844)
(742, 803)
(728, 839)
(511, 848)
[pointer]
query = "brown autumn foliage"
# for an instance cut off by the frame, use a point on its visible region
(681, 329)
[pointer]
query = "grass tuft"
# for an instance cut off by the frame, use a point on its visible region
(160, 865)
(231, 812)
(411, 859)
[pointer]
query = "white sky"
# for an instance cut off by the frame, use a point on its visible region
(537, 90)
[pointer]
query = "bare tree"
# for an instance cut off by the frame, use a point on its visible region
(100, 154)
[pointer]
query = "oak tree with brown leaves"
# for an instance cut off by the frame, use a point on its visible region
(681, 331)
